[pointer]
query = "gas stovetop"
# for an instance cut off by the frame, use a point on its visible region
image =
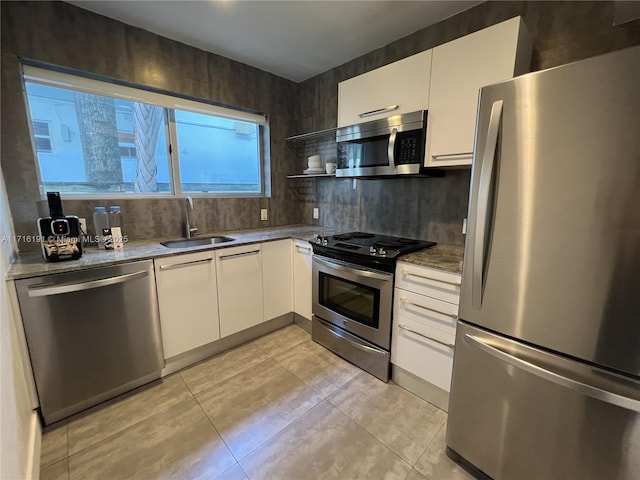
(379, 251)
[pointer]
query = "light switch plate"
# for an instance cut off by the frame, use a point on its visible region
(316, 213)
(464, 226)
(263, 214)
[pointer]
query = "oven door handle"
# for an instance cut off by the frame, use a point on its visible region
(351, 269)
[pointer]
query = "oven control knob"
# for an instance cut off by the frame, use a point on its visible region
(381, 251)
(322, 240)
(372, 250)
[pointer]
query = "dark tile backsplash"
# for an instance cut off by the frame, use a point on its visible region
(432, 208)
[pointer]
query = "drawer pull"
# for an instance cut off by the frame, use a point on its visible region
(409, 274)
(185, 264)
(404, 327)
(378, 111)
(242, 254)
(407, 302)
(461, 156)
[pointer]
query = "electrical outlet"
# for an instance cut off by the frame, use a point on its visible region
(316, 213)
(263, 214)
(83, 224)
(464, 226)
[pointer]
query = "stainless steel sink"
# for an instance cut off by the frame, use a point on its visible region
(193, 242)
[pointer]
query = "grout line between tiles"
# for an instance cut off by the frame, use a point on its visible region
(373, 436)
(380, 440)
(127, 428)
(216, 430)
(280, 431)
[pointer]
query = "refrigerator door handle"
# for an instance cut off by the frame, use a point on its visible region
(484, 189)
(575, 385)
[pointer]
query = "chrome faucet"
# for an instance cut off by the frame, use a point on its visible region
(189, 230)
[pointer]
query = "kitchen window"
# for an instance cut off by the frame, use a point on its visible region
(113, 140)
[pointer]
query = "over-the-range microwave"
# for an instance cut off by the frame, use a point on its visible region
(390, 146)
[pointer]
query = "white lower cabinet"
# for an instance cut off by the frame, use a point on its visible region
(302, 256)
(239, 275)
(277, 281)
(424, 323)
(188, 301)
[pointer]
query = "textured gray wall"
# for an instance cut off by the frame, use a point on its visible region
(62, 34)
(434, 208)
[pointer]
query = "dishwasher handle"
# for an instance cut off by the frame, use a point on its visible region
(45, 291)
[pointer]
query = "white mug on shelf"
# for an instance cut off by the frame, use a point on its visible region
(330, 167)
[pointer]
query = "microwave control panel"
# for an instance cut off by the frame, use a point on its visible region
(408, 148)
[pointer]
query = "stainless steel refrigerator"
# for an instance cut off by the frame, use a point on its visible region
(546, 376)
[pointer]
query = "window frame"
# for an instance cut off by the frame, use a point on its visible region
(169, 103)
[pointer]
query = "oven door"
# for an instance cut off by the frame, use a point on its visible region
(354, 298)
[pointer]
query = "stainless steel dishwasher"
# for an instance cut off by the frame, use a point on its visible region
(92, 334)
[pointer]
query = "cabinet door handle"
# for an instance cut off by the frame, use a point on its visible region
(404, 327)
(306, 249)
(407, 302)
(462, 155)
(409, 274)
(185, 264)
(378, 111)
(242, 254)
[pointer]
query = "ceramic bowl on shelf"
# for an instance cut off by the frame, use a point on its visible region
(314, 162)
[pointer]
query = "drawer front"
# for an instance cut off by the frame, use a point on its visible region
(425, 358)
(429, 281)
(424, 314)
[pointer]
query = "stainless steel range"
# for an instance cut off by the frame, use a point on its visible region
(353, 295)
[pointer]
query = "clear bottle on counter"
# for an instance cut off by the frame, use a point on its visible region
(116, 219)
(100, 221)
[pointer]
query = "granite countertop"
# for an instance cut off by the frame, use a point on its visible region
(442, 256)
(31, 264)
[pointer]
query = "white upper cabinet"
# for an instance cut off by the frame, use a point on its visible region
(399, 87)
(277, 283)
(188, 301)
(458, 70)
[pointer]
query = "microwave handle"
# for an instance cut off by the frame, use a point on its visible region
(391, 149)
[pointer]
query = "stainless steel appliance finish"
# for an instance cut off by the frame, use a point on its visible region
(547, 362)
(367, 356)
(92, 335)
(352, 299)
(521, 412)
(357, 299)
(389, 146)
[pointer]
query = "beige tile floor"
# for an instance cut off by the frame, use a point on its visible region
(280, 407)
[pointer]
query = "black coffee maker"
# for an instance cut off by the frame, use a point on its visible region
(60, 234)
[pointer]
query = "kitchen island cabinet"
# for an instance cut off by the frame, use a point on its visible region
(239, 275)
(187, 301)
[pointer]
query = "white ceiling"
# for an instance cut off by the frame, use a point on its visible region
(292, 39)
